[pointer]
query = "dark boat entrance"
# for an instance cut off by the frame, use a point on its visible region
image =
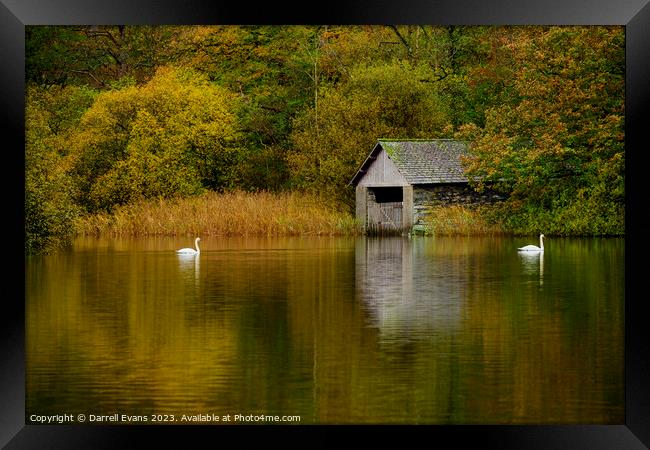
(385, 210)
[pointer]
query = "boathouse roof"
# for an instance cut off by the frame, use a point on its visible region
(421, 161)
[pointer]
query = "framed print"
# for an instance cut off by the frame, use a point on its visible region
(307, 163)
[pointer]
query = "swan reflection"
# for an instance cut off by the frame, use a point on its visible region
(532, 263)
(189, 265)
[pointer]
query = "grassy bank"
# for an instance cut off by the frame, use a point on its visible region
(460, 220)
(292, 214)
(575, 220)
(228, 214)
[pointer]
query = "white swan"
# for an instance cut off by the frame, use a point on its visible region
(191, 251)
(534, 248)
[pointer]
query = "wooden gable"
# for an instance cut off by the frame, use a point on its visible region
(382, 171)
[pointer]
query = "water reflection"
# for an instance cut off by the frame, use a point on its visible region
(392, 330)
(532, 263)
(190, 265)
(408, 295)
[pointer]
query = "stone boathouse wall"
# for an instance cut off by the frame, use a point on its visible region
(426, 196)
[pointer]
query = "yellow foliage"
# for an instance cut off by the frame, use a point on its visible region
(170, 136)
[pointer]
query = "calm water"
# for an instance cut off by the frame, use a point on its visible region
(334, 330)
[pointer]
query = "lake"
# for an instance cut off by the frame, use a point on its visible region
(428, 330)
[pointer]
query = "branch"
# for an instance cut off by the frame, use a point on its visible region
(86, 72)
(271, 108)
(121, 126)
(111, 54)
(92, 31)
(444, 75)
(399, 35)
(424, 30)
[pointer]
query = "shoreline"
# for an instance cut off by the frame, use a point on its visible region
(265, 214)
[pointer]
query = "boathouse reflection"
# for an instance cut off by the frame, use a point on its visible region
(408, 292)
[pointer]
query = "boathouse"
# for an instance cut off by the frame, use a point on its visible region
(401, 179)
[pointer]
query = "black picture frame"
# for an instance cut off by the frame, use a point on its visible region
(633, 14)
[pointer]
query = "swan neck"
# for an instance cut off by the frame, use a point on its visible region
(541, 242)
(196, 244)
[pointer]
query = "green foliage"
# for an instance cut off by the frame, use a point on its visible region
(96, 55)
(47, 54)
(269, 70)
(459, 220)
(334, 137)
(50, 115)
(577, 217)
(557, 148)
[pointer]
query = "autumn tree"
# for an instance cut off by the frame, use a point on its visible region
(52, 114)
(379, 101)
(558, 147)
(175, 135)
(97, 55)
(263, 66)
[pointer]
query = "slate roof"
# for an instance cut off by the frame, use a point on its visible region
(429, 161)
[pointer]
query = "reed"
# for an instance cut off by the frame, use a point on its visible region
(460, 220)
(234, 213)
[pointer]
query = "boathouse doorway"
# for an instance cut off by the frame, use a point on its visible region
(385, 209)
